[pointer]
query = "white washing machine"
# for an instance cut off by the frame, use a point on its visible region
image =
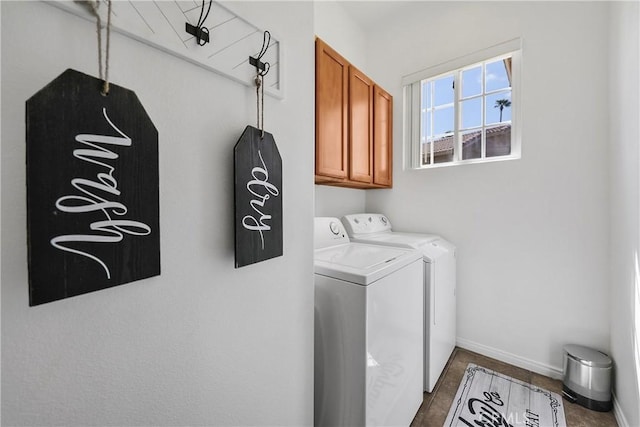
(439, 285)
(368, 333)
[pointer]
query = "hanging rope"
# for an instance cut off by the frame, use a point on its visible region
(104, 76)
(261, 70)
(260, 103)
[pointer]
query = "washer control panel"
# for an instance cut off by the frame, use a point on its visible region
(327, 232)
(366, 223)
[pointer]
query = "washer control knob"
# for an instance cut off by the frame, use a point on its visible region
(335, 229)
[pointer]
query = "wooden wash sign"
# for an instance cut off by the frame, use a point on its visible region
(92, 189)
(258, 198)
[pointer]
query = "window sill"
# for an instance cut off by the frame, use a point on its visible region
(469, 162)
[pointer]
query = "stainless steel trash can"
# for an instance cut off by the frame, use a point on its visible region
(587, 377)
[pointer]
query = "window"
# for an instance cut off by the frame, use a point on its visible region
(467, 114)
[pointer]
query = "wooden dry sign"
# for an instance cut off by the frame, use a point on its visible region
(92, 189)
(258, 198)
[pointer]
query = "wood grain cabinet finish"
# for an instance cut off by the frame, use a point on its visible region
(382, 137)
(360, 126)
(354, 116)
(332, 82)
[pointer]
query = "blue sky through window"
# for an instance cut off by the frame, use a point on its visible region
(472, 82)
(496, 76)
(441, 93)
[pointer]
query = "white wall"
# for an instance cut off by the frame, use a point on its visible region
(532, 234)
(333, 25)
(624, 162)
(204, 343)
(0, 226)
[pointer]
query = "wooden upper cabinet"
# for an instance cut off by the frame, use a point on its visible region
(360, 126)
(382, 137)
(332, 80)
(354, 140)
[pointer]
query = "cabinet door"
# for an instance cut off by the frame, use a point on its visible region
(332, 78)
(382, 137)
(360, 126)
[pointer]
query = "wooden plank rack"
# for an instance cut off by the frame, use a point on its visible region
(161, 24)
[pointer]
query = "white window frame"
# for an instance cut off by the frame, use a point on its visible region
(412, 108)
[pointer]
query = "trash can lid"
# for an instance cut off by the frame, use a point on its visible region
(588, 356)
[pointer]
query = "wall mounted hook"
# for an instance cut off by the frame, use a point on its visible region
(262, 68)
(199, 31)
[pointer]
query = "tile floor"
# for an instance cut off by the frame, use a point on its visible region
(435, 406)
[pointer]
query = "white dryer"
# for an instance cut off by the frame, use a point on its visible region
(439, 285)
(368, 337)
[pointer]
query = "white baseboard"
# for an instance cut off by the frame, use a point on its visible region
(515, 360)
(617, 411)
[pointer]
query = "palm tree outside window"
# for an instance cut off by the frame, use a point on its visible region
(502, 104)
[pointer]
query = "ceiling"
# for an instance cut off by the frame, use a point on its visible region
(369, 13)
